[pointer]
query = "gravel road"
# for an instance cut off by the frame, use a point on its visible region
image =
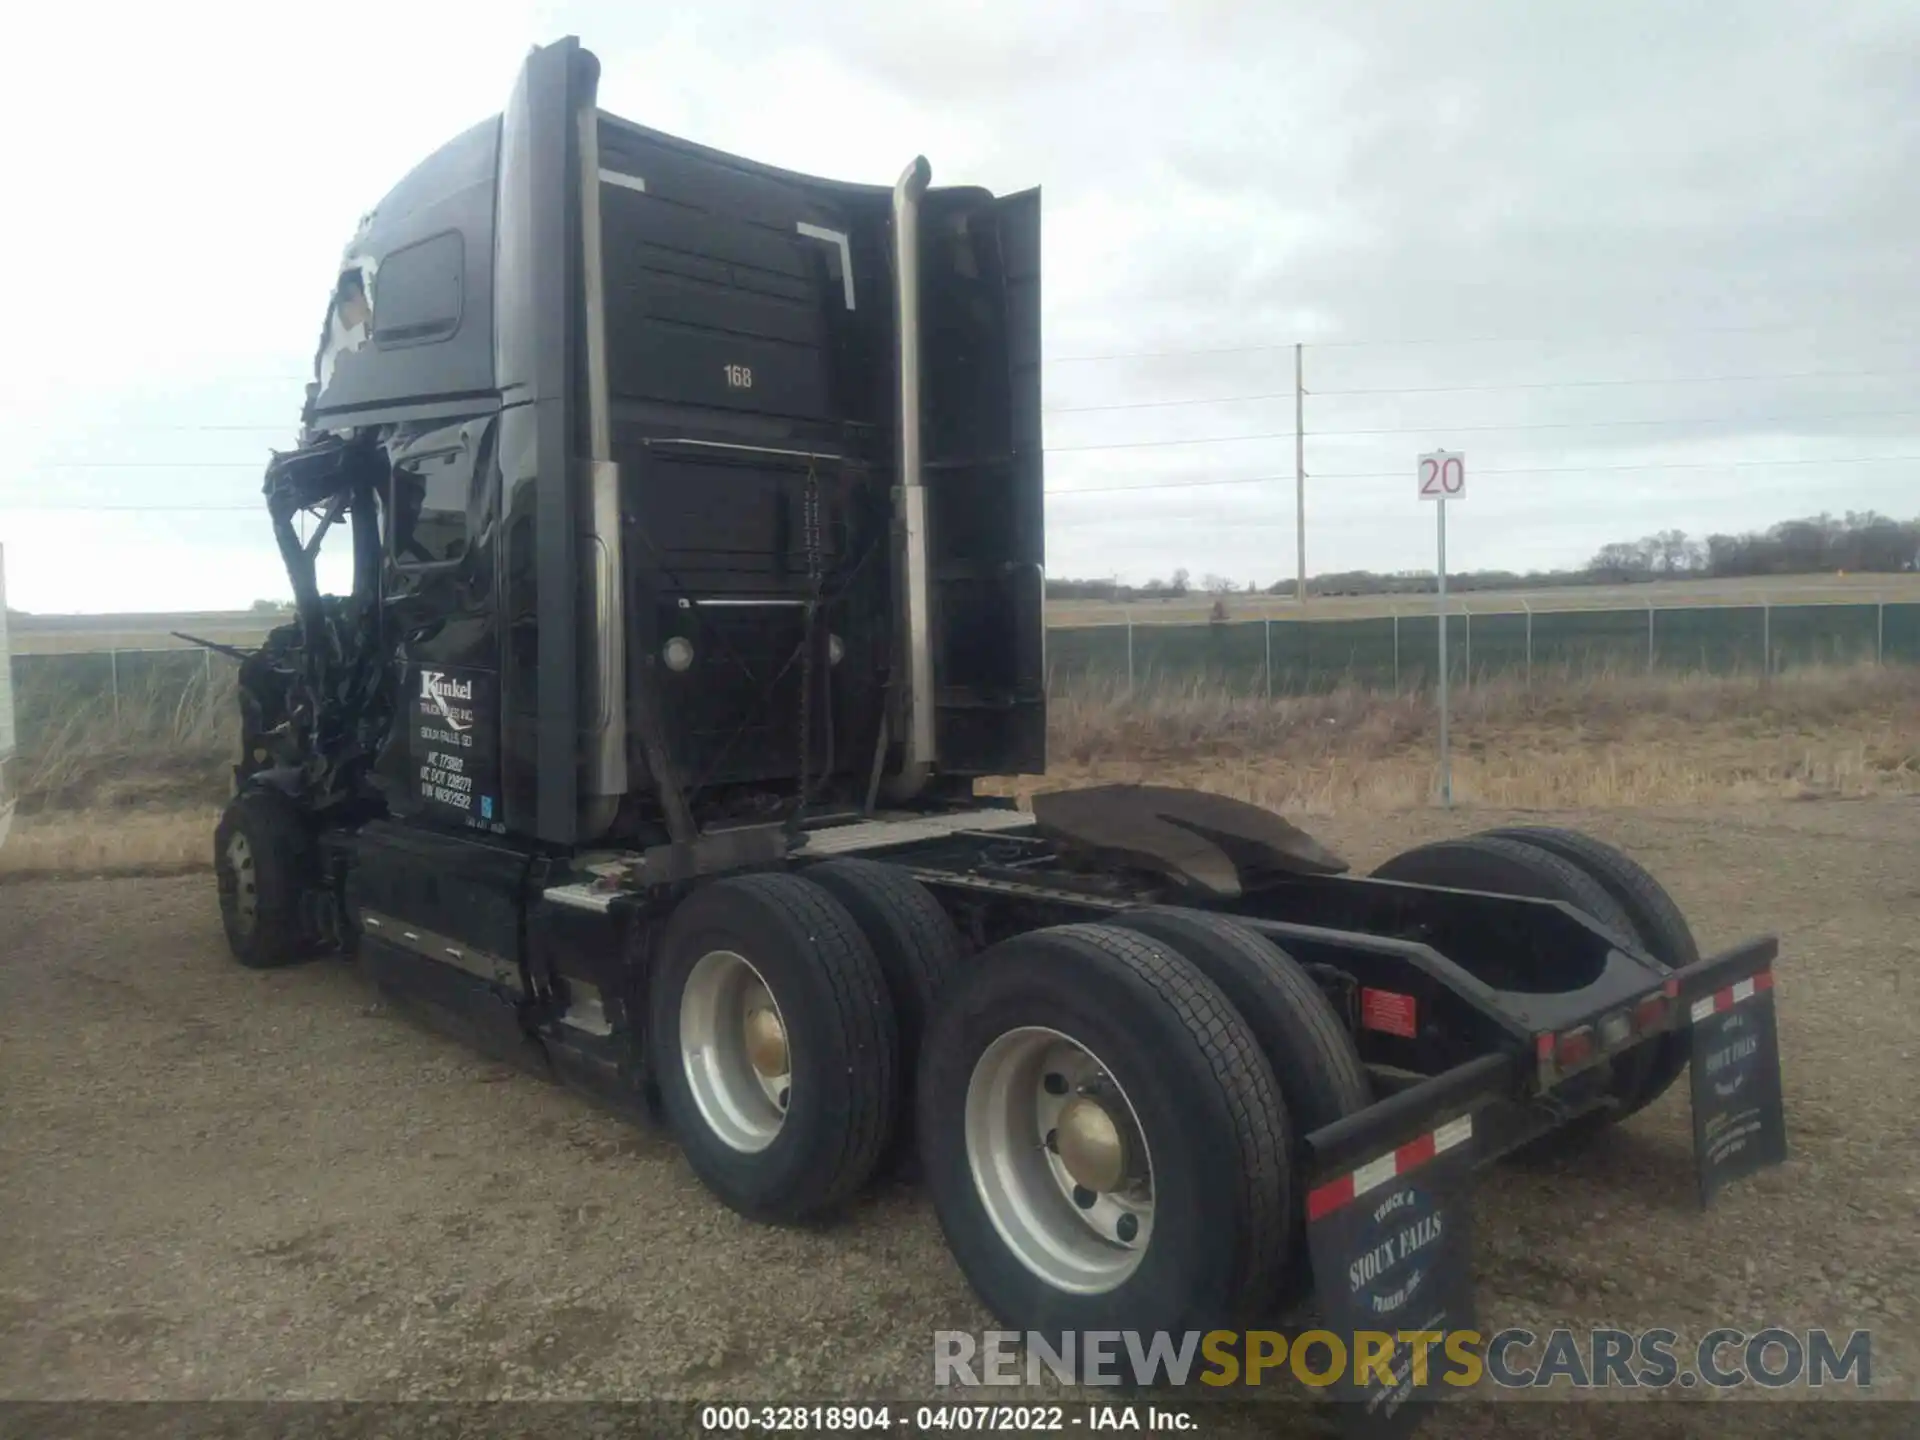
(222, 1184)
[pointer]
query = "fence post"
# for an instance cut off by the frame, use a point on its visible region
(113, 679)
(1880, 630)
(1466, 617)
(1268, 623)
(1129, 652)
(1649, 638)
(1766, 639)
(206, 669)
(1529, 609)
(1396, 652)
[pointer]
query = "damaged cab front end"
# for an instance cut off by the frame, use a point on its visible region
(315, 707)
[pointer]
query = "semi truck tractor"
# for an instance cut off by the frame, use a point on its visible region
(696, 514)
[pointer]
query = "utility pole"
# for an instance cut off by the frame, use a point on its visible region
(1300, 471)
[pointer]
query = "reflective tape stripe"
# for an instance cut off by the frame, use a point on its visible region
(1416, 1152)
(1732, 995)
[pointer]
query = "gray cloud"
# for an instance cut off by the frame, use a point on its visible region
(1457, 207)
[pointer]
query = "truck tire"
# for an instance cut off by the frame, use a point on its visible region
(916, 944)
(1104, 1142)
(1657, 920)
(263, 859)
(1511, 867)
(1313, 1057)
(774, 1043)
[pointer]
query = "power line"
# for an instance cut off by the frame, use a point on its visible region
(1607, 424)
(152, 465)
(1170, 484)
(1437, 340)
(1227, 400)
(1158, 444)
(1612, 469)
(1651, 380)
(1521, 470)
(1288, 395)
(1166, 404)
(1441, 428)
(133, 509)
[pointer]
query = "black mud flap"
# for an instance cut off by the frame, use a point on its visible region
(1390, 1236)
(1739, 1109)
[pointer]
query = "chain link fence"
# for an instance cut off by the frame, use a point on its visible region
(1271, 656)
(1398, 652)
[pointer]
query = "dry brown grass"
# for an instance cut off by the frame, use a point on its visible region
(160, 745)
(139, 790)
(105, 842)
(1577, 742)
(108, 788)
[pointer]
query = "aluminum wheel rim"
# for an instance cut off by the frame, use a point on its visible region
(246, 882)
(1077, 1239)
(724, 996)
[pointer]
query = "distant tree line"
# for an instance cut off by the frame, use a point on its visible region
(1859, 541)
(1862, 542)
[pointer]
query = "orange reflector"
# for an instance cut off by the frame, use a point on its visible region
(1648, 1014)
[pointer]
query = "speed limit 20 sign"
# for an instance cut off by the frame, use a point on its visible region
(1443, 476)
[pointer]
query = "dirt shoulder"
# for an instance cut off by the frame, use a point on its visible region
(227, 1184)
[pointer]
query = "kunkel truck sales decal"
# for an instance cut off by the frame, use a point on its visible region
(455, 749)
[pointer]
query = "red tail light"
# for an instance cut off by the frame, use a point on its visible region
(1574, 1049)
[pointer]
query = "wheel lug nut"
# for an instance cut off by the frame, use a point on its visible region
(1084, 1197)
(1127, 1228)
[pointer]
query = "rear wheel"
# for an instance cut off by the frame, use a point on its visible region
(774, 1044)
(1511, 867)
(1313, 1057)
(1103, 1140)
(914, 941)
(263, 861)
(1657, 920)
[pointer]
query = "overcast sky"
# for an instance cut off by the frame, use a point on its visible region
(1478, 217)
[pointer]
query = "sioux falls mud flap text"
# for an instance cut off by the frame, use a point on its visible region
(1739, 1112)
(1392, 1254)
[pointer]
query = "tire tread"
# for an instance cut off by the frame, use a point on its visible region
(282, 849)
(1662, 929)
(1261, 1128)
(859, 1008)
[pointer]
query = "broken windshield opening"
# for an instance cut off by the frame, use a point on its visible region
(349, 319)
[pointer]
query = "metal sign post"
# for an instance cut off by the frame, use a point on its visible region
(1442, 477)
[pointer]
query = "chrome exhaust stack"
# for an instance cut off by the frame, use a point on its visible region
(913, 704)
(603, 783)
